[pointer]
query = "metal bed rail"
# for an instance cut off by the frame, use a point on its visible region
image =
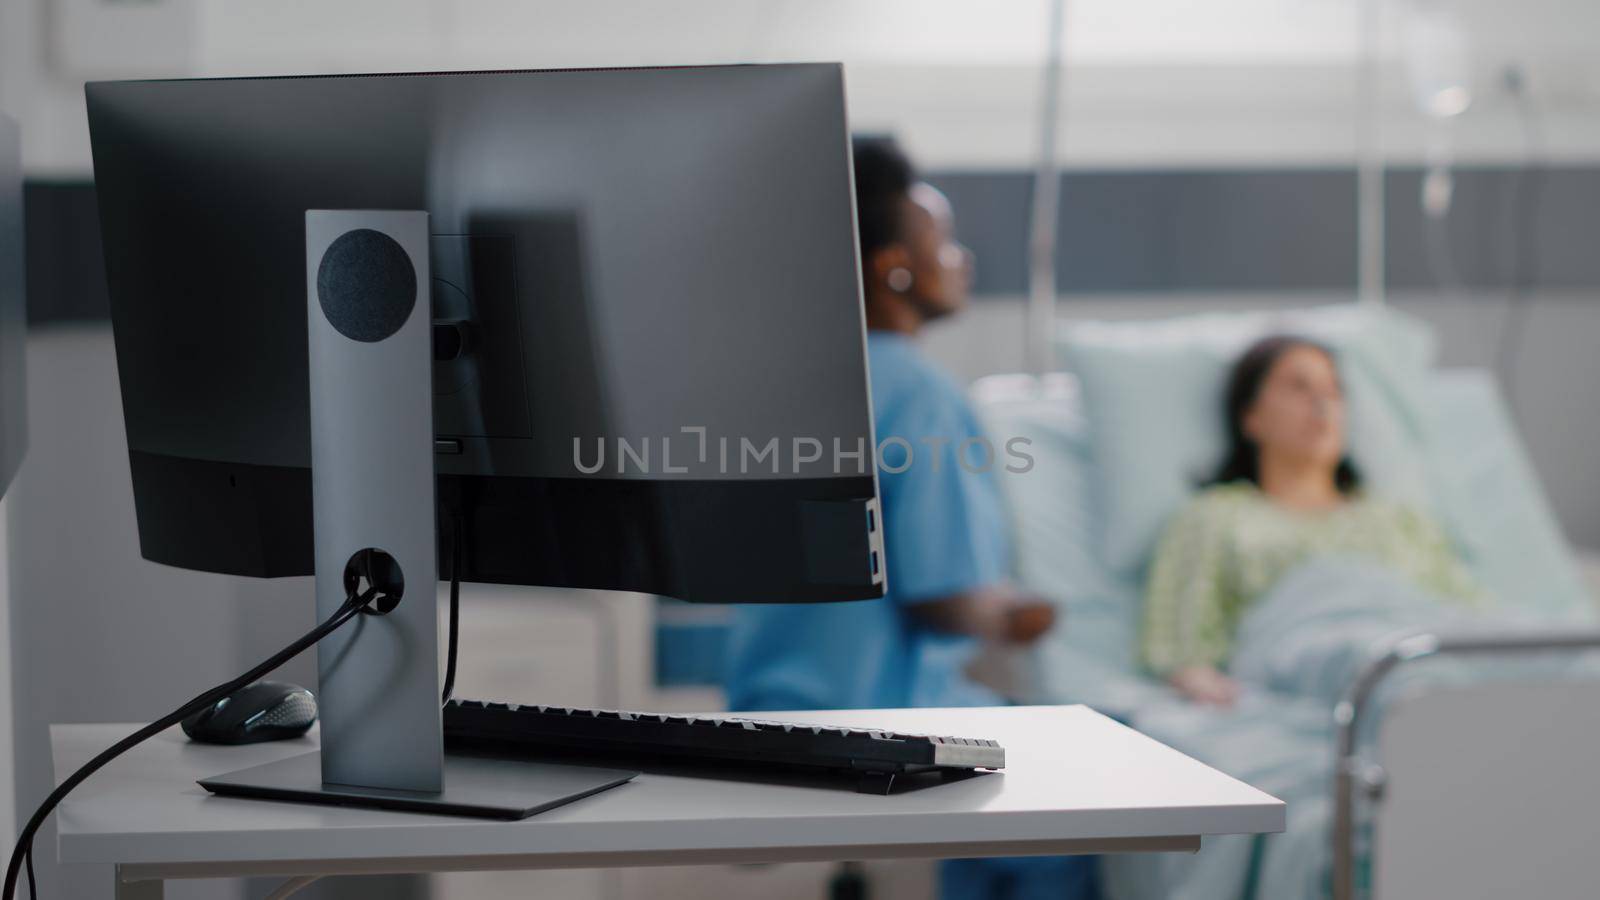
(1351, 770)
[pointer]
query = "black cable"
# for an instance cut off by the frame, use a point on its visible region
(33, 881)
(22, 855)
(455, 613)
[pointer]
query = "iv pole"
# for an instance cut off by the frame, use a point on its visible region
(1039, 322)
(1370, 262)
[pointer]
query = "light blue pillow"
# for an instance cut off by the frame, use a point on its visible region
(1090, 656)
(1490, 500)
(1053, 522)
(1152, 391)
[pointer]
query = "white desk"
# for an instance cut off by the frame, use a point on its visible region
(1075, 782)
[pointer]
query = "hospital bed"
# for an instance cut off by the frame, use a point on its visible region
(1466, 791)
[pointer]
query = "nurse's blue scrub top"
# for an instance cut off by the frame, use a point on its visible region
(944, 533)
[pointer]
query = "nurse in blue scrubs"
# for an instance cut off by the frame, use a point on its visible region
(945, 542)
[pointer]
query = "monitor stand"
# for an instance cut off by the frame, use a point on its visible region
(369, 339)
(480, 787)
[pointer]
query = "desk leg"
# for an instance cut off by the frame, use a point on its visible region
(151, 889)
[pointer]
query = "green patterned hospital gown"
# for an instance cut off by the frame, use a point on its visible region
(1229, 546)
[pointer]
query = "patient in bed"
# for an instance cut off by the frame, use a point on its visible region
(1285, 494)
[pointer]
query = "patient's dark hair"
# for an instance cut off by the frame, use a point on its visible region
(884, 177)
(1244, 384)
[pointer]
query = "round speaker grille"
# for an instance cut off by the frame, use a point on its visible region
(366, 285)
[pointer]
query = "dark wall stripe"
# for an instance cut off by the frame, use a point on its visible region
(1537, 226)
(66, 269)
(1165, 231)
(1146, 232)
(1285, 229)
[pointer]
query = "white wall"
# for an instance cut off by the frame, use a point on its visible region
(49, 106)
(1149, 82)
(8, 789)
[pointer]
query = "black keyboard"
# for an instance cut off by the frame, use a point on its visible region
(876, 757)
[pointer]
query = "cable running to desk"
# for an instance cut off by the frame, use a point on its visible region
(22, 854)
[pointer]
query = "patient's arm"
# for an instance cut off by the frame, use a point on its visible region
(1439, 568)
(1204, 684)
(997, 614)
(1187, 629)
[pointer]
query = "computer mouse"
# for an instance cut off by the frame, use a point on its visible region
(264, 711)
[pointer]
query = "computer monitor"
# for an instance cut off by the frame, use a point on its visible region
(13, 308)
(649, 357)
(647, 366)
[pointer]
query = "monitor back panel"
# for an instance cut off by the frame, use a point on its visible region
(651, 276)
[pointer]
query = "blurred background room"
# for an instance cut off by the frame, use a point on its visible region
(1131, 176)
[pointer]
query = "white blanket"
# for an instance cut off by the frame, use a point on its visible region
(1296, 651)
